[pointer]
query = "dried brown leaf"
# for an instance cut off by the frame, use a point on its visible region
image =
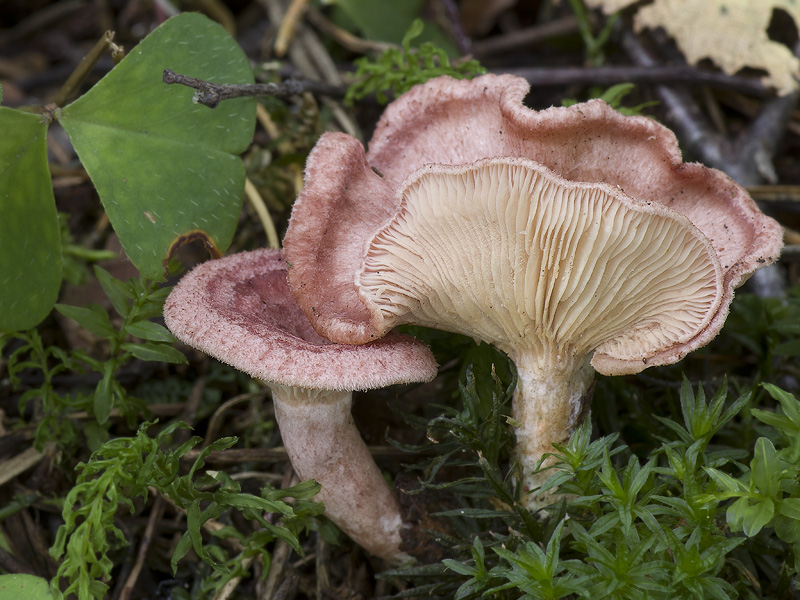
(731, 33)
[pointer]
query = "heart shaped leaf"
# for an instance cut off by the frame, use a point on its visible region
(165, 168)
(18, 586)
(30, 261)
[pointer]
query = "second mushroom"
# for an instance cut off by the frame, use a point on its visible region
(574, 239)
(239, 310)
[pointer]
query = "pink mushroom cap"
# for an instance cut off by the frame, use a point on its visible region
(350, 195)
(239, 310)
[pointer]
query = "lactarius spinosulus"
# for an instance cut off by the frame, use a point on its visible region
(239, 310)
(574, 239)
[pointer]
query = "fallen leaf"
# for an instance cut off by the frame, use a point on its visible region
(731, 33)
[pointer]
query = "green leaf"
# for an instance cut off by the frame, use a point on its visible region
(386, 21)
(156, 352)
(165, 167)
(757, 516)
(765, 468)
(103, 395)
(19, 586)
(30, 263)
(787, 529)
(790, 507)
(459, 568)
(117, 292)
(92, 318)
(789, 422)
(726, 482)
(148, 330)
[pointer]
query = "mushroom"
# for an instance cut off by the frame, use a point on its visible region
(574, 239)
(239, 310)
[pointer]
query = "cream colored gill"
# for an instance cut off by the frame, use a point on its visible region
(508, 252)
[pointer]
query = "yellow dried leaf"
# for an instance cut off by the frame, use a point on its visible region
(731, 33)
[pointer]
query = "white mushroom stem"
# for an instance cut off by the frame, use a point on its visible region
(549, 401)
(323, 444)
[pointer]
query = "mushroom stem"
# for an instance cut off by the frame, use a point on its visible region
(550, 400)
(323, 444)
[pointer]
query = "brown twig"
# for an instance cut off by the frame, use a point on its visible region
(755, 147)
(524, 38)
(775, 193)
(696, 134)
(312, 59)
(86, 65)
(653, 74)
(288, 26)
(322, 561)
(280, 554)
(156, 512)
(211, 94)
(344, 37)
(460, 36)
(748, 159)
(235, 456)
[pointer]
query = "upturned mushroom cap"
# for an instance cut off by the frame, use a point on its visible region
(464, 124)
(507, 252)
(239, 310)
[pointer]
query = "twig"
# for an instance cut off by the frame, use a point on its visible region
(234, 456)
(215, 423)
(696, 133)
(21, 463)
(344, 37)
(211, 525)
(86, 65)
(288, 26)
(230, 586)
(775, 193)
(790, 254)
(288, 588)
(156, 513)
(749, 158)
(322, 560)
(523, 38)
(460, 36)
(312, 59)
(280, 554)
(211, 94)
(760, 140)
(40, 19)
(11, 564)
(652, 74)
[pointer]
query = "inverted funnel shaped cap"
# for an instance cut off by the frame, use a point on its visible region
(239, 310)
(478, 135)
(508, 252)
